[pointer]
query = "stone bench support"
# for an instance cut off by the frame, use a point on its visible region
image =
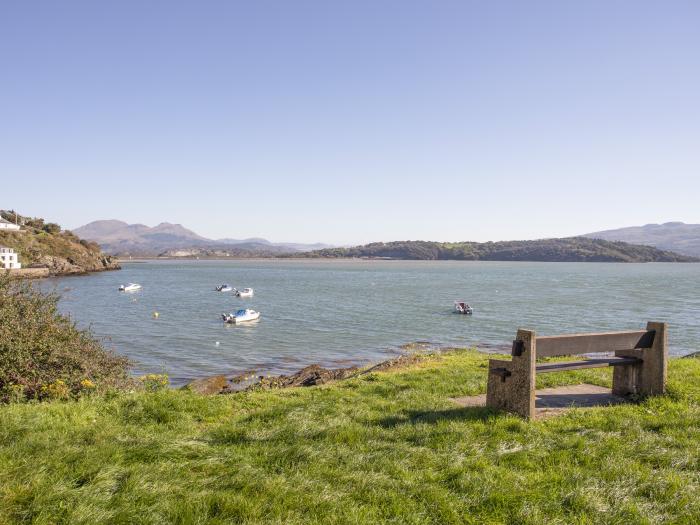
(640, 363)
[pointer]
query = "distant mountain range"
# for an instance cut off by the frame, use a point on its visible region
(119, 238)
(673, 241)
(675, 236)
(571, 249)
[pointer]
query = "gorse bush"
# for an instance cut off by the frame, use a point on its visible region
(43, 355)
(154, 382)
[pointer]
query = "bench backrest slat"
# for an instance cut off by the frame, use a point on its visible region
(558, 345)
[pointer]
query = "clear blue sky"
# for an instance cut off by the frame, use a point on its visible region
(348, 122)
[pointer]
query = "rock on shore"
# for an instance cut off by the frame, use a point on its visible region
(311, 375)
(69, 266)
(208, 386)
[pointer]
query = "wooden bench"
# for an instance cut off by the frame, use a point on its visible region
(639, 360)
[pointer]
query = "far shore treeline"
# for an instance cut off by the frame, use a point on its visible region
(572, 249)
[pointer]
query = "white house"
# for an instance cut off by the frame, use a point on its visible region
(8, 259)
(6, 225)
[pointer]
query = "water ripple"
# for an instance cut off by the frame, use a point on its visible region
(355, 311)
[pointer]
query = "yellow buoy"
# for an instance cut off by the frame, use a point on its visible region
(155, 315)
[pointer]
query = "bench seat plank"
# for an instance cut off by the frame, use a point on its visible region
(558, 345)
(542, 368)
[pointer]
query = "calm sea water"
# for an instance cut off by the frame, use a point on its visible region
(354, 312)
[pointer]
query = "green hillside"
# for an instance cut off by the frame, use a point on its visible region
(42, 244)
(571, 249)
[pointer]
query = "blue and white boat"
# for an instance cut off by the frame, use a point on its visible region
(223, 288)
(241, 316)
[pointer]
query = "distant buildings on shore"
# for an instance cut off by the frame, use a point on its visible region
(8, 259)
(7, 225)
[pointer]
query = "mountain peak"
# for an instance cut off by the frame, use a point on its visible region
(118, 237)
(106, 222)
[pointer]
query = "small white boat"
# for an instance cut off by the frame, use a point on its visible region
(241, 316)
(246, 292)
(223, 288)
(131, 287)
(463, 308)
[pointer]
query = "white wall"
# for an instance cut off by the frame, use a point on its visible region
(8, 261)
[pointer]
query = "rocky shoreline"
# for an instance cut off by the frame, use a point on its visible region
(60, 266)
(314, 375)
(311, 375)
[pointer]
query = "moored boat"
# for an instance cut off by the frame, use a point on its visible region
(241, 316)
(462, 307)
(131, 287)
(246, 292)
(223, 288)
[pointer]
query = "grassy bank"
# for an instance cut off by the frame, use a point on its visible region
(386, 447)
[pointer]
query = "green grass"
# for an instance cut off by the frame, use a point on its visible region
(387, 447)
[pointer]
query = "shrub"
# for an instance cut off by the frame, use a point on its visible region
(154, 382)
(56, 390)
(91, 246)
(34, 222)
(86, 384)
(44, 355)
(52, 228)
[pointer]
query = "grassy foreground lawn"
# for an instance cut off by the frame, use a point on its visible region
(387, 447)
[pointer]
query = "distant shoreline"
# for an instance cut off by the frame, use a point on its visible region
(571, 249)
(378, 259)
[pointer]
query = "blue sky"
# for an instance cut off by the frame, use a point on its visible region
(350, 122)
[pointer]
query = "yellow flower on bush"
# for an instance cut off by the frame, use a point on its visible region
(86, 384)
(154, 382)
(56, 390)
(16, 393)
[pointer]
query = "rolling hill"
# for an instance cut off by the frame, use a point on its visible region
(572, 249)
(671, 242)
(675, 236)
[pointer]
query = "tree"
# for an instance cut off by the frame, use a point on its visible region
(52, 228)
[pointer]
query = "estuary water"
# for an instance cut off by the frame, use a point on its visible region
(343, 312)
